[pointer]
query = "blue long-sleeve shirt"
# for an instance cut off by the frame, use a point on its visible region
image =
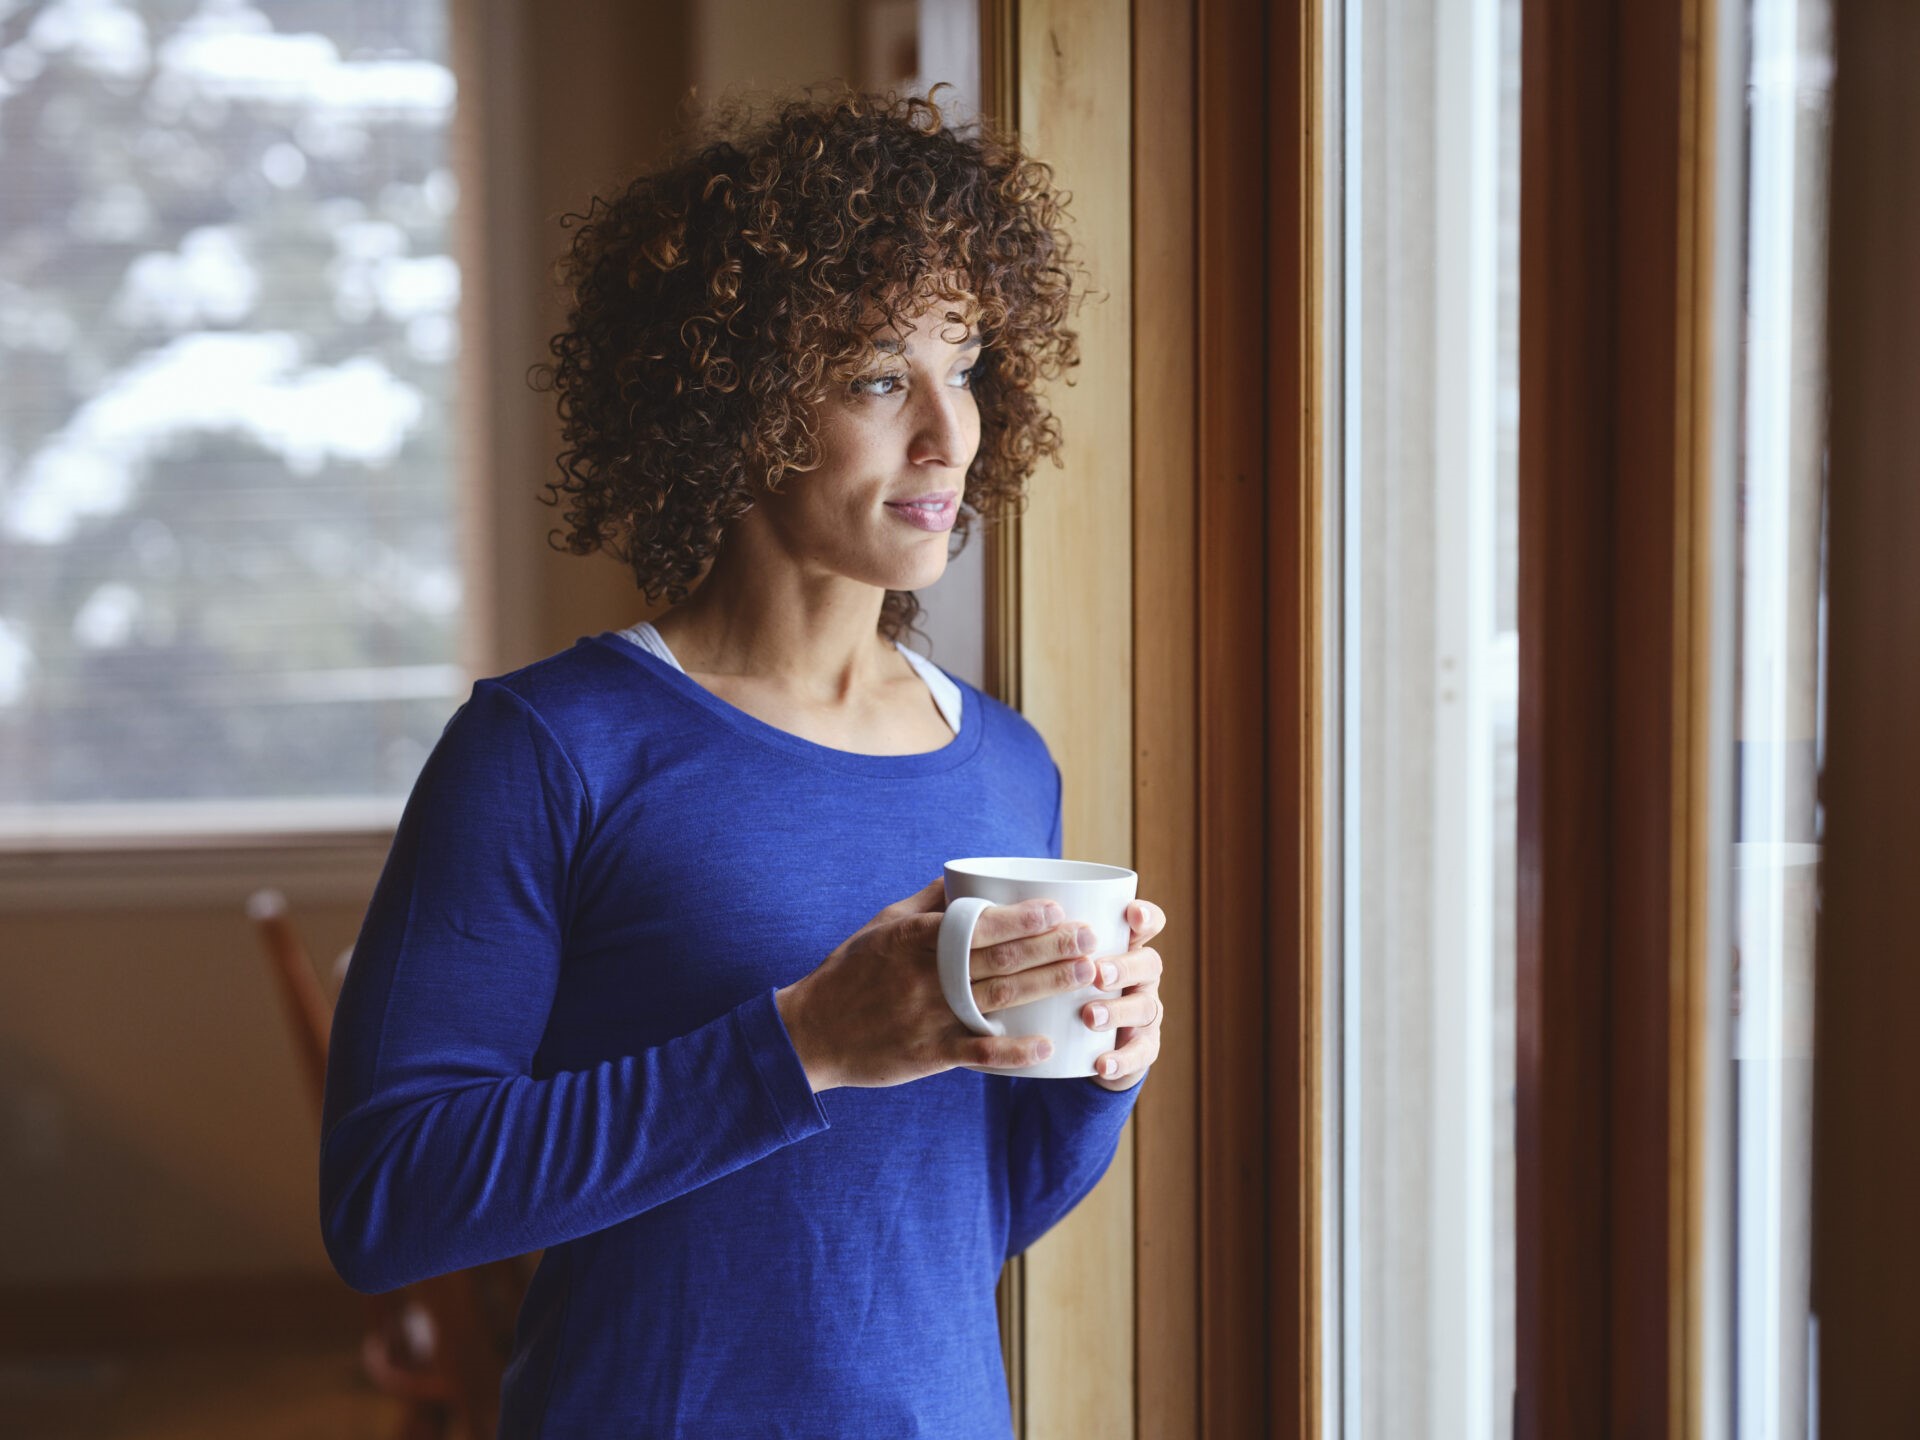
(558, 1031)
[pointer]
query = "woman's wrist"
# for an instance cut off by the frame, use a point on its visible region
(790, 1002)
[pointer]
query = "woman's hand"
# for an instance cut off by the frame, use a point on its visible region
(1135, 1015)
(873, 1013)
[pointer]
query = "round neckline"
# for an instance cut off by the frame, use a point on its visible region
(956, 751)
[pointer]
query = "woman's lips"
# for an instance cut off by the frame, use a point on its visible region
(927, 517)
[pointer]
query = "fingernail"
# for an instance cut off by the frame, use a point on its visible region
(1083, 971)
(1044, 1050)
(1086, 939)
(1109, 973)
(1055, 914)
(1109, 1066)
(1099, 1013)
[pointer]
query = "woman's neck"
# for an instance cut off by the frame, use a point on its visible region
(817, 646)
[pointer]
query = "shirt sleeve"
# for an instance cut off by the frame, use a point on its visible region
(440, 1149)
(1063, 1132)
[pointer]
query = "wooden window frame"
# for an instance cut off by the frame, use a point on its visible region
(1866, 1174)
(1616, 555)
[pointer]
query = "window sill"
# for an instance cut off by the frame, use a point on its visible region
(194, 857)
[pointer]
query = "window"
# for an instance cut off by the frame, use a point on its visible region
(230, 587)
(1779, 636)
(1420, 1317)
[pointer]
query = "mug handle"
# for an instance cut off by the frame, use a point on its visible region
(956, 961)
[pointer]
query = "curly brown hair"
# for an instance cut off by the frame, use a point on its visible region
(718, 300)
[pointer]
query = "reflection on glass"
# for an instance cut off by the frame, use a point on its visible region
(1778, 705)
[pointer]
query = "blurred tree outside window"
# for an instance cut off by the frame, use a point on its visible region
(230, 575)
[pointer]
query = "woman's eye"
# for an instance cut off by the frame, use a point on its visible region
(893, 384)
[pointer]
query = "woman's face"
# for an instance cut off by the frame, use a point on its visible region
(894, 452)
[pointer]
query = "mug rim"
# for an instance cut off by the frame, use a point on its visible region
(1041, 868)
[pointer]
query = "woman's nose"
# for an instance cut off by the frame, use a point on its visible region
(941, 434)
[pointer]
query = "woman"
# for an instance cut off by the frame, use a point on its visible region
(588, 1009)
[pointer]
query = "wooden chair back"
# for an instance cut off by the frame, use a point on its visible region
(441, 1345)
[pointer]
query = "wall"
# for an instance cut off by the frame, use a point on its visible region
(747, 44)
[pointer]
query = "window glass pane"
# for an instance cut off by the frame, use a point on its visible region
(1427, 496)
(1777, 714)
(229, 563)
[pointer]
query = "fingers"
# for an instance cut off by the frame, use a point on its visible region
(1002, 1052)
(1011, 938)
(1138, 1017)
(1147, 920)
(1135, 970)
(1001, 923)
(1128, 1060)
(1032, 976)
(1001, 991)
(1011, 956)
(932, 897)
(1005, 937)
(1137, 1009)
(1136, 967)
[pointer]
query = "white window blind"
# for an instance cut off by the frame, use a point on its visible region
(230, 584)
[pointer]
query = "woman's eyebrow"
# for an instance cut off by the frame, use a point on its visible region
(895, 347)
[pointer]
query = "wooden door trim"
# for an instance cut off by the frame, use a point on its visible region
(999, 98)
(1166, 709)
(1061, 604)
(1866, 1171)
(1297, 707)
(1236, 908)
(1615, 493)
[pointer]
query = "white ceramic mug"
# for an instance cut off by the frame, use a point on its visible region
(1093, 895)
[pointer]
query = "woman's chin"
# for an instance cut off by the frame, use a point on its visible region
(912, 573)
